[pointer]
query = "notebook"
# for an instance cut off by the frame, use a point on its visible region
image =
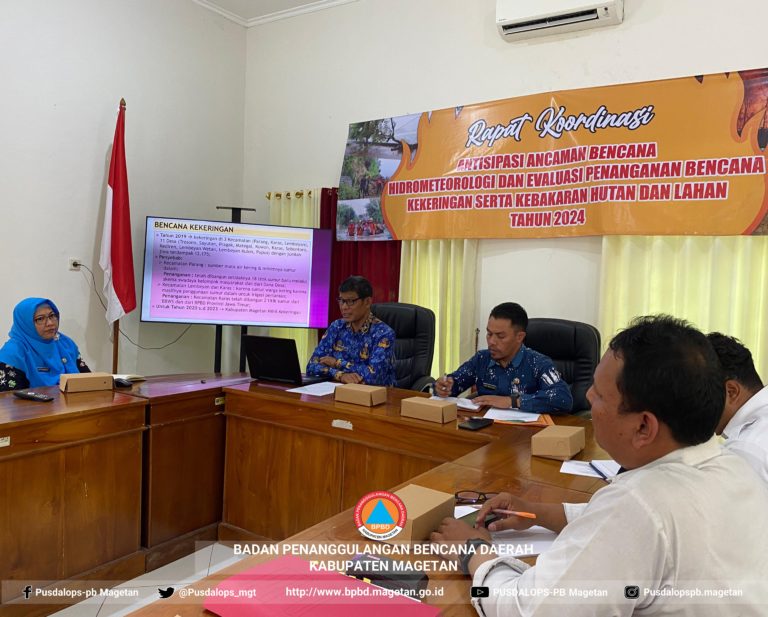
(275, 359)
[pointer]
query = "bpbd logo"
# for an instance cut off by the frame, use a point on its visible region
(380, 515)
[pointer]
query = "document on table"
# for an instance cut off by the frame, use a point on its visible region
(462, 511)
(608, 467)
(317, 389)
(511, 415)
(604, 469)
(526, 543)
(129, 377)
(578, 468)
(461, 403)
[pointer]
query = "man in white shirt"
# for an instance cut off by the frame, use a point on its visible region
(684, 531)
(744, 423)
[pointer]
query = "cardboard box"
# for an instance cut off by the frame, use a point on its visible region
(425, 508)
(428, 409)
(558, 442)
(85, 382)
(359, 394)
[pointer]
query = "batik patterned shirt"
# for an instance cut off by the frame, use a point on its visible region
(530, 375)
(368, 352)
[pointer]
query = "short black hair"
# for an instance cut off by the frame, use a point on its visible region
(512, 311)
(736, 361)
(358, 284)
(671, 370)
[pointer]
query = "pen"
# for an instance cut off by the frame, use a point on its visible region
(444, 377)
(511, 512)
(600, 473)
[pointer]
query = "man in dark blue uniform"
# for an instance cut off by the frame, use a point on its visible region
(508, 374)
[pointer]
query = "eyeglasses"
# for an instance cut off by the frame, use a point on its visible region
(347, 301)
(41, 319)
(473, 496)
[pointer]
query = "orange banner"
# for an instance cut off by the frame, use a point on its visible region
(672, 157)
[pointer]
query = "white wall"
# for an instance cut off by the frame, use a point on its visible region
(64, 67)
(217, 115)
(309, 77)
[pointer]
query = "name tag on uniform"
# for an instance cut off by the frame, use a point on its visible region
(489, 386)
(43, 369)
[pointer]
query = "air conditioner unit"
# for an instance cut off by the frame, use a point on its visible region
(523, 19)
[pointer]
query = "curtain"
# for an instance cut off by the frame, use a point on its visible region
(296, 209)
(440, 275)
(376, 260)
(717, 283)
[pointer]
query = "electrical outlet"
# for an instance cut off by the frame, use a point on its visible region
(74, 264)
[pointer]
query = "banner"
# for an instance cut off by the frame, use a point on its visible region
(672, 157)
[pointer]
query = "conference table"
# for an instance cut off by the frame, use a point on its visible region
(96, 484)
(90, 482)
(296, 464)
(183, 443)
(70, 480)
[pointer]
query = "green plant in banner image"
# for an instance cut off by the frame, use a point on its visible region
(373, 210)
(344, 215)
(347, 192)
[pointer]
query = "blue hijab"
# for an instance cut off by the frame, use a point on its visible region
(41, 360)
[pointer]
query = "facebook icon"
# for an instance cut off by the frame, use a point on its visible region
(27, 592)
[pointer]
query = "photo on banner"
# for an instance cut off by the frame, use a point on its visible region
(373, 154)
(680, 156)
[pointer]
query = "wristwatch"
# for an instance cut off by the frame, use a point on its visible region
(473, 544)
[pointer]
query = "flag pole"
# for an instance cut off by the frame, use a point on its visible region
(116, 323)
(115, 340)
(116, 258)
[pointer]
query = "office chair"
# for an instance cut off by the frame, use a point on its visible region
(414, 328)
(574, 348)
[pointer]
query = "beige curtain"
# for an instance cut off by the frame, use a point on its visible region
(717, 283)
(440, 275)
(299, 208)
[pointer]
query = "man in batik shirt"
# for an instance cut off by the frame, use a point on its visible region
(359, 347)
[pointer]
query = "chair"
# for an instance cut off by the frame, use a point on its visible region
(574, 348)
(414, 328)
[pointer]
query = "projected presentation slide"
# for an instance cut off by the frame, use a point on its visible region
(212, 272)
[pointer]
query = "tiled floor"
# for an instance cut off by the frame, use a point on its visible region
(178, 574)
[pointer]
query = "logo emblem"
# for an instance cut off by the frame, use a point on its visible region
(380, 515)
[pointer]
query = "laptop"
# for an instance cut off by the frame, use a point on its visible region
(276, 359)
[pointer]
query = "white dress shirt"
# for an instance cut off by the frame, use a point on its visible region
(684, 528)
(747, 433)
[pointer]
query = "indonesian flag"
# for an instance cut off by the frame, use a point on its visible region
(116, 252)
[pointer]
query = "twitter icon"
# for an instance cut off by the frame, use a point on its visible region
(166, 593)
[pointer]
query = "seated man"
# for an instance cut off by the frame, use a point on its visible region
(744, 422)
(508, 374)
(359, 347)
(686, 518)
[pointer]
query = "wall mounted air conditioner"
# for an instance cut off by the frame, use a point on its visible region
(524, 19)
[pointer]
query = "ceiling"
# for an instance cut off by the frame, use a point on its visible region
(254, 12)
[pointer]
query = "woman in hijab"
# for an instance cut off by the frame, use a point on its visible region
(37, 353)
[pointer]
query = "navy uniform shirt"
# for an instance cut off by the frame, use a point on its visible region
(530, 374)
(370, 352)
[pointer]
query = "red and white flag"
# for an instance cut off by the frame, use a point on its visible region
(116, 250)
